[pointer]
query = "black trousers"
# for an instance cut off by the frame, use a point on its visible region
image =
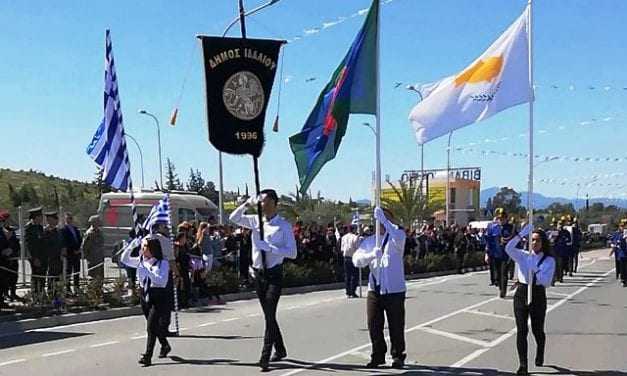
(268, 286)
(617, 267)
(351, 276)
(501, 267)
(157, 313)
(537, 312)
(623, 269)
(493, 268)
(38, 283)
(378, 307)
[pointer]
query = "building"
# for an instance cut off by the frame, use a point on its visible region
(464, 191)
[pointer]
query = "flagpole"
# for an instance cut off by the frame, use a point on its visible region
(530, 190)
(378, 133)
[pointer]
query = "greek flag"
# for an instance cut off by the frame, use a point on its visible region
(355, 220)
(108, 146)
(160, 213)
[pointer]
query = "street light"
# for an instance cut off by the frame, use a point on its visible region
(141, 155)
(422, 145)
(144, 112)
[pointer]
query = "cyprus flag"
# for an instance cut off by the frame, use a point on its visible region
(497, 80)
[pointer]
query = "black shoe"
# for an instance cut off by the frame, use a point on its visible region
(264, 365)
(539, 361)
(145, 361)
(171, 334)
(375, 363)
(522, 370)
(165, 350)
(398, 364)
(278, 356)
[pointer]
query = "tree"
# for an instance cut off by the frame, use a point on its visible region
(172, 182)
(14, 196)
(100, 183)
(508, 199)
(195, 183)
(210, 192)
(408, 203)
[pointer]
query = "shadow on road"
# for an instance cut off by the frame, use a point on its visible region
(29, 338)
(215, 337)
(565, 371)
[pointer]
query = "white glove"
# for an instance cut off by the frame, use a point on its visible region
(378, 252)
(263, 245)
(379, 215)
(252, 201)
(525, 230)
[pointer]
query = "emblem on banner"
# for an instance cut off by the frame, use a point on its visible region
(243, 95)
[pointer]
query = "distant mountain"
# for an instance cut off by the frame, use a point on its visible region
(540, 201)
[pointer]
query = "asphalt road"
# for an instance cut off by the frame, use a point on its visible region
(455, 325)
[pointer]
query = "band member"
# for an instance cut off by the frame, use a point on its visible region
(278, 243)
(153, 275)
(618, 242)
(496, 231)
(577, 239)
(541, 264)
(386, 288)
(563, 244)
(33, 233)
(9, 256)
(349, 243)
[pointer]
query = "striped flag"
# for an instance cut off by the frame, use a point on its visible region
(108, 146)
(160, 213)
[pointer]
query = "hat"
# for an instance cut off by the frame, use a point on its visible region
(623, 221)
(93, 219)
(499, 212)
(34, 212)
(4, 215)
(53, 214)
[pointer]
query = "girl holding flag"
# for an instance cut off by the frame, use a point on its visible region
(540, 264)
(153, 274)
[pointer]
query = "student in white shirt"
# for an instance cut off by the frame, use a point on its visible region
(153, 274)
(541, 264)
(267, 263)
(386, 288)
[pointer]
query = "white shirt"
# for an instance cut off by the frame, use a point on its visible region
(277, 233)
(388, 270)
(543, 273)
(349, 244)
(147, 269)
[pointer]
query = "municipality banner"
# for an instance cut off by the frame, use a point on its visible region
(238, 81)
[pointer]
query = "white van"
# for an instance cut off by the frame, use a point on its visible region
(115, 211)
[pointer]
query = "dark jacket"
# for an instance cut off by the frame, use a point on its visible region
(72, 243)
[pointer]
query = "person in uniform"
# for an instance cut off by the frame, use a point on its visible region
(386, 288)
(618, 241)
(497, 258)
(563, 243)
(576, 248)
(72, 241)
(278, 243)
(153, 273)
(93, 247)
(9, 256)
(541, 265)
(53, 242)
(33, 233)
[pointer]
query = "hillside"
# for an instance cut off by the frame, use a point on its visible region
(32, 188)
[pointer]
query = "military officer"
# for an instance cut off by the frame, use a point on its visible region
(33, 233)
(53, 244)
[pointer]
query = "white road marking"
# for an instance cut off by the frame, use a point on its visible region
(206, 324)
(140, 337)
(58, 353)
(104, 344)
(490, 314)
(14, 361)
(231, 319)
(419, 326)
(556, 293)
(457, 337)
(254, 315)
(505, 336)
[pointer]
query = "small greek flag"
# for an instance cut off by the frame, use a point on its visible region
(160, 213)
(355, 220)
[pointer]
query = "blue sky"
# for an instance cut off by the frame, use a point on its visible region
(51, 87)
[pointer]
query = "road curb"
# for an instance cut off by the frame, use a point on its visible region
(20, 326)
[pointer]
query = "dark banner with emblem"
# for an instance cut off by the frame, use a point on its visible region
(238, 80)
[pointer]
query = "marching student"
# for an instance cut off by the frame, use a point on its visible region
(153, 274)
(386, 289)
(618, 242)
(541, 263)
(278, 243)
